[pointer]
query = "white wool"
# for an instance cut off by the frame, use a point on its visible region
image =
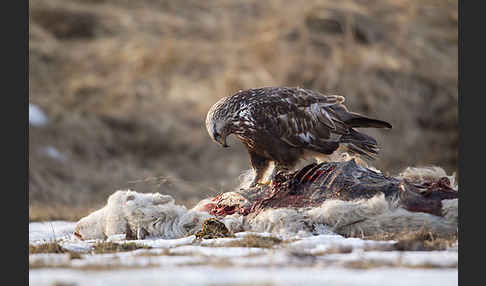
(115, 217)
(338, 213)
(398, 220)
(427, 174)
(159, 216)
(156, 215)
(450, 209)
(92, 226)
(281, 221)
(233, 199)
(184, 225)
(375, 216)
(245, 179)
(202, 205)
(235, 222)
(141, 214)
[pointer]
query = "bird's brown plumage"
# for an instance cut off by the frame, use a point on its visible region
(283, 124)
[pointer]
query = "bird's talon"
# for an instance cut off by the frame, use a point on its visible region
(260, 184)
(220, 123)
(265, 184)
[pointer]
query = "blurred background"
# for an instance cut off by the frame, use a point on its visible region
(119, 89)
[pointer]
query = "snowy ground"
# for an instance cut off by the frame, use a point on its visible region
(326, 259)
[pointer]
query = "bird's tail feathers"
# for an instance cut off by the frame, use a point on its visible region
(357, 120)
(356, 143)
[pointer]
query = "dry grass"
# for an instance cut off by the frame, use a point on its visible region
(340, 249)
(62, 283)
(52, 247)
(126, 85)
(112, 247)
(414, 241)
(424, 241)
(100, 247)
(88, 267)
(164, 252)
(252, 240)
(48, 247)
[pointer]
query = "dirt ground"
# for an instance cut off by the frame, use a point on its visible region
(126, 86)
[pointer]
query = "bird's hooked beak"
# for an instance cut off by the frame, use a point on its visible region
(223, 143)
(221, 139)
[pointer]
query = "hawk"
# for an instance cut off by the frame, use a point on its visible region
(286, 124)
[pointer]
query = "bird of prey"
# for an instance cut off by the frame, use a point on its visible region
(287, 124)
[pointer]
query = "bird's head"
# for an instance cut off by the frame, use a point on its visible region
(218, 126)
(218, 131)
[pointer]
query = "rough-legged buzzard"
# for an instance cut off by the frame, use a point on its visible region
(284, 125)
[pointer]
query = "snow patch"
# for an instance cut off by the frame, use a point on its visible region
(52, 152)
(37, 117)
(50, 231)
(285, 276)
(187, 261)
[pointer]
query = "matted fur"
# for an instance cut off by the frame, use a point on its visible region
(129, 212)
(141, 214)
(377, 216)
(281, 221)
(156, 215)
(427, 174)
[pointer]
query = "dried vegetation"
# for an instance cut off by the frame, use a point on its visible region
(126, 85)
(415, 241)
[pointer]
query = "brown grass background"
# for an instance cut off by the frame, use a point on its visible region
(127, 84)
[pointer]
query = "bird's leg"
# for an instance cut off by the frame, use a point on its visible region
(260, 165)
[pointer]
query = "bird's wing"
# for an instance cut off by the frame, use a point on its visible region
(303, 118)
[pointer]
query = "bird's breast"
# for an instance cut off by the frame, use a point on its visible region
(250, 143)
